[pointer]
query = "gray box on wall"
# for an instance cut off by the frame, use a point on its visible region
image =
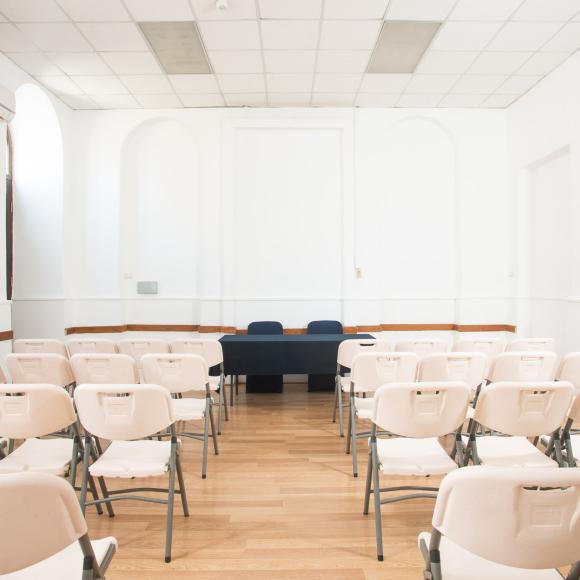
(144, 287)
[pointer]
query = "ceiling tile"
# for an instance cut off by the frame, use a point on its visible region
(542, 11)
(246, 100)
(289, 83)
(484, 10)
(465, 35)
(477, 84)
(12, 40)
(194, 100)
(337, 83)
(419, 101)
(566, 40)
(54, 37)
(376, 100)
(385, 83)
(116, 101)
(242, 83)
(443, 62)
(359, 10)
(236, 61)
(349, 34)
(78, 102)
(431, 84)
(32, 11)
(191, 84)
(60, 85)
(95, 11)
(289, 34)
(523, 36)
(80, 63)
(337, 61)
(499, 101)
(289, 99)
(499, 63)
(230, 35)
(35, 63)
(435, 10)
(333, 99)
(114, 36)
(543, 63)
(147, 84)
(305, 9)
(238, 9)
(100, 85)
(159, 101)
(282, 61)
(155, 11)
(138, 63)
(517, 85)
(462, 101)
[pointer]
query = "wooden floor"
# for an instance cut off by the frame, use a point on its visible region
(279, 502)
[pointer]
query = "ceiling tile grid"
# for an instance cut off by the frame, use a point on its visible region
(294, 53)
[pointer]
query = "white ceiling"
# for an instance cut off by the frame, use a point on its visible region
(92, 55)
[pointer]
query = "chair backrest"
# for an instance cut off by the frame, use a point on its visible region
(349, 348)
(421, 410)
(210, 349)
(178, 373)
(489, 346)
(41, 516)
(34, 410)
(137, 347)
(467, 367)
(423, 346)
(91, 345)
(39, 345)
(104, 369)
(47, 368)
(265, 327)
(569, 370)
(324, 327)
(527, 409)
(123, 412)
(523, 366)
(531, 344)
(371, 370)
(525, 518)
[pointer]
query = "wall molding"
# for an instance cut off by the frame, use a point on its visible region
(6, 335)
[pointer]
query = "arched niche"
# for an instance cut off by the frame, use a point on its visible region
(159, 184)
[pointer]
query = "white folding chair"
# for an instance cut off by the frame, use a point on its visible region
(504, 524)
(44, 368)
(137, 347)
(569, 440)
(369, 371)
(211, 350)
(125, 415)
(181, 374)
(347, 350)
(488, 346)
(515, 412)
(416, 414)
(91, 345)
(104, 369)
(531, 344)
(523, 366)
(39, 345)
(44, 534)
(422, 347)
(569, 370)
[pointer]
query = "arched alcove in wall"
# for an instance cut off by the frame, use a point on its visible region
(159, 185)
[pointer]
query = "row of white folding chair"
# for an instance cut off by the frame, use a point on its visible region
(417, 415)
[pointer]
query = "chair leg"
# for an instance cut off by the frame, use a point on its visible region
(95, 454)
(348, 435)
(213, 432)
(368, 483)
(182, 491)
(335, 405)
(377, 495)
(85, 478)
(223, 387)
(205, 437)
(74, 461)
(170, 497)
(220, 405)
(353, 436)
(340, 410)
(231, 390)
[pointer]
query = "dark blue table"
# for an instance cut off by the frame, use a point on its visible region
(279, 354)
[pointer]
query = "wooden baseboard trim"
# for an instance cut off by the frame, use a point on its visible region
(233, 330)
(6, 335)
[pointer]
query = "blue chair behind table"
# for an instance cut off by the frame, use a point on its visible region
(323, 382)
(265, 383)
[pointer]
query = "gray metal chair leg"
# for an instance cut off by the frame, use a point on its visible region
(223, 388)
(335, 404)
(170, 497)
(340, 411)
(377, 496)
(368, 483)
(181, 482)
(348, 435)
(220, 405)
(85, 478)
(353, 436)
(213, 432)
(205, 437)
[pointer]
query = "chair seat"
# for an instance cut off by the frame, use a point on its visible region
(364, 407)
(68, 563)
(459, 564)
(41, 456)
(511, 452)
(133, 459)
(188, 409)
(345, 384)
(403, 456)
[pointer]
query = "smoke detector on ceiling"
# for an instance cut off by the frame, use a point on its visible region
(222, 4)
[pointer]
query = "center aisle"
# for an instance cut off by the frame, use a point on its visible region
(279, 502)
